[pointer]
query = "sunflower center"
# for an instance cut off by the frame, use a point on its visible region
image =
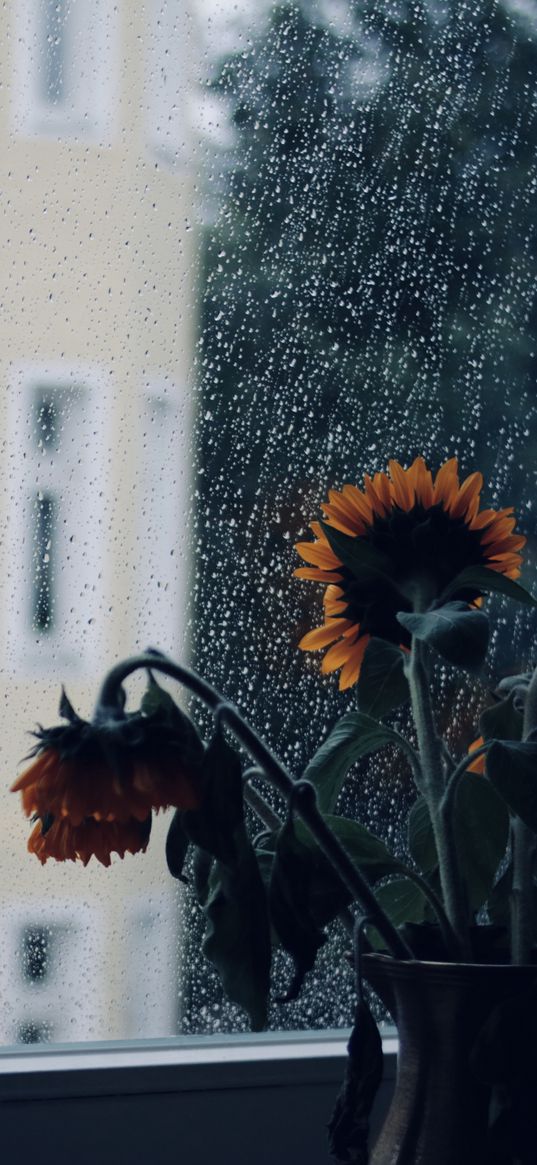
(424, 550)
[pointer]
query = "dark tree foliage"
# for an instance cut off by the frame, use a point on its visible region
(370, 292)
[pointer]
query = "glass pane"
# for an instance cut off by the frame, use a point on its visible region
(253, 252)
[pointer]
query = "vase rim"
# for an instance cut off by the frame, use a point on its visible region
(436, 966)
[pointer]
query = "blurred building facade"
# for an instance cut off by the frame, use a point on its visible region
(97, 325)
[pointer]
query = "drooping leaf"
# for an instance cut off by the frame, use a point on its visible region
(382, 684)
(512, 768)
(290, 905)
(214, 824)
(237, 939)
(348, 1129)
(354, 736)
(421, 841)
(327, 893)
(177, 843)
(502, 720)
(459, 634)
(484, 580)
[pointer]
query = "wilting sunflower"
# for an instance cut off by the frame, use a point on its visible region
(408, 531)
(58, 838)
(108, 775)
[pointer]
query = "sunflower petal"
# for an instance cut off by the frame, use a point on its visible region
(318, 554)
(446, 483)
(421, 479)
(351, 669)
(360, 503)
(403, 490)
(313, 572)
(468, 493)
(336, 656)
(322, 636)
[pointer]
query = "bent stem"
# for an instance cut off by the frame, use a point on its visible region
(300, 793)
(430, 750)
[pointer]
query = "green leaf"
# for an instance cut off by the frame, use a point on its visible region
(290, 905)
(237, 941)
(177, 843)
(458, 634)
(368, 852)
(483, 580)
(382, 684)
(403, 902)
(421, 841)
(214, 824)
(481, 828)
(502, 720)
(482, 833)
(358, 555)
(354, 736)
(512, 768)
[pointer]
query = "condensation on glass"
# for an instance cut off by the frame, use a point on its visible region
(250, 252)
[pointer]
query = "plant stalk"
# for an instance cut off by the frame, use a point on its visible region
(430, 750)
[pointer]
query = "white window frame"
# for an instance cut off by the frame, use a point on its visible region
(91, 113)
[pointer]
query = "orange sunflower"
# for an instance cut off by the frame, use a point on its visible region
(412, 527)
(58, 838)
(91, 788)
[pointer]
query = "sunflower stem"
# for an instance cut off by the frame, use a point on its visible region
(264, 811)
(430, 749)
(301, 794)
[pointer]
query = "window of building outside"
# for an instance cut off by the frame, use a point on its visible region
(251, 251)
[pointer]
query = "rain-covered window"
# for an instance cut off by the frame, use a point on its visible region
(250, 252)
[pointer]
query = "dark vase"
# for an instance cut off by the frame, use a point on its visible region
(466, 1088)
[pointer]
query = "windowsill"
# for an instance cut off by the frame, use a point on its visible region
(189, 1064)
(231, 1099)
